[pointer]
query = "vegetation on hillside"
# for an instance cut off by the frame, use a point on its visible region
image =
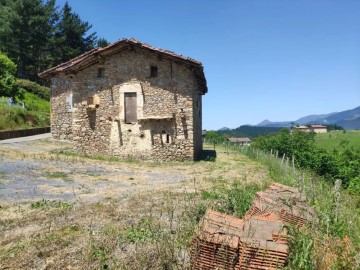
(341, 163)
(39, 90)
(242, 131)
(16, 117)
(333, 140)
(248, 131)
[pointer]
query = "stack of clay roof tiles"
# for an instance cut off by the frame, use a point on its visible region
(256, 242)
(288, 204)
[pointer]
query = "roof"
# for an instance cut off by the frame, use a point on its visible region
(239, 139)
(318, 126)
(97, 55)
(301, 127)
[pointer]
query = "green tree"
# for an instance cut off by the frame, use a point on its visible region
(8, 87)
(102, 42)
(71, 36)
(26, 28)
(214, 136)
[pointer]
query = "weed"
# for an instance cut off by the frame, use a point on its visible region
(47, 204)
(60, 175)
(301, 244)
(40, 204)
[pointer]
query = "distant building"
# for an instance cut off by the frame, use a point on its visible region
(318, 128)
(311, 128)
(242, 141)
(302, 128)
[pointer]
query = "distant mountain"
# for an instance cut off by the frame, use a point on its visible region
(344, 116)
(349, 124)
(267, 123)
(312, 118)
(349, 119)
(249, 131)
(224, 128)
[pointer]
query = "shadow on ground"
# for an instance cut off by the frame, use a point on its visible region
(208, 155)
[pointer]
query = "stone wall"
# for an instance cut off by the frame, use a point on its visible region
(61, 108)
(168, 126)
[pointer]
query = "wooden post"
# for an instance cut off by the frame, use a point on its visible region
(337, 197)
(283, 158)
(313, 189)
(303, 184)
(287, 165)
(293, 165)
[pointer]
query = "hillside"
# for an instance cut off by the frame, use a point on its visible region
(332, 140)
(248, 131)
(349, 119)
(35, 114)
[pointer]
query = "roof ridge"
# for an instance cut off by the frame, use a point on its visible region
(78, 59)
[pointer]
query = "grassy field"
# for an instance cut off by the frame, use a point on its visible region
(333, 139)
(76, 212)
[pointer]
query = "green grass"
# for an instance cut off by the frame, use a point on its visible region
(35, 103)
(15, 117)
(60, 175)
(333, 139)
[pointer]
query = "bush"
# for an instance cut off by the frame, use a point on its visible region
(343, 163)
(39, 90)
(34, 103)
(8, 87)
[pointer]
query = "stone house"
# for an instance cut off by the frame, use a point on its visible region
(242, 141)
(318, 128)
(129, 99)
(312, 128)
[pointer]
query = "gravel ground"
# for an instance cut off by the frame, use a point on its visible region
(29, 172)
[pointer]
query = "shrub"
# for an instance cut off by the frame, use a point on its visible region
(8, 87)
(39, 90)
(343, 163)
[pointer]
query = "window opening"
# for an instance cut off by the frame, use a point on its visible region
(154, 71)
(101, 72)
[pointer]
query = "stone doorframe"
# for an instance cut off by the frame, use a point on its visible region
(131, 87)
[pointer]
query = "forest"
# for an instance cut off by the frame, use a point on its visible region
(36, 35)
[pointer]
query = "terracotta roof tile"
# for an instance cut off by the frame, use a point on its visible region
(259, 241)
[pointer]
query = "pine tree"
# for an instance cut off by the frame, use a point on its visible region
(26, 26)
(71, 35)
(102, 42)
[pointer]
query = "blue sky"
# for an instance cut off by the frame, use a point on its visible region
(263, 59)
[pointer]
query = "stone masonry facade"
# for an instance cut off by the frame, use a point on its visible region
(129, 99)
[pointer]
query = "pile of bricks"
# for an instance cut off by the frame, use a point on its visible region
(258, 241)
(288, 204)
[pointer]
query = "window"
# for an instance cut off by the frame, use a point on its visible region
(154, 71)
(130, 108)
(101, 73)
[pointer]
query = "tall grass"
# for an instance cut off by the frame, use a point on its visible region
(333, 241)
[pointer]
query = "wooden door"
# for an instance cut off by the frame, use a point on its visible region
(130, 108)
